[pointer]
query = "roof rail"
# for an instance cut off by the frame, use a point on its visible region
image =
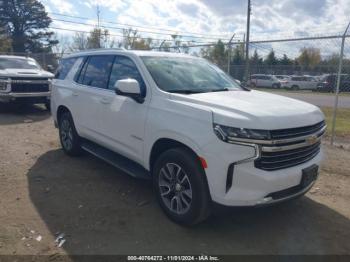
(104, 49)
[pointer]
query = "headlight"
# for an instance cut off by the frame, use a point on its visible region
(228, 134)
(3, 83)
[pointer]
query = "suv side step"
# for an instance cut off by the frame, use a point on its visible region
(124, 164)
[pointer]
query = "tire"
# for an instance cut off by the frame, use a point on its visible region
(69, 138)
(253, 85)
(276, 86)
(295, 87)
(188, 208)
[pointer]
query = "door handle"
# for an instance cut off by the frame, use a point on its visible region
(105, 101)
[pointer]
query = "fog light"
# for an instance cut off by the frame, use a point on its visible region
(3, 86)
(265, 200)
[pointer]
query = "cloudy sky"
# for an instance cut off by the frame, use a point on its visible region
(208, 18)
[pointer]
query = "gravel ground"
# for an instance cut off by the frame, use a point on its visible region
(102, 211)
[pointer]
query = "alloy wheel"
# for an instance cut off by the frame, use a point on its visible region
(175, 188)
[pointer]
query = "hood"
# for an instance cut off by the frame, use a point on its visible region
(255, 109)
(13, 72)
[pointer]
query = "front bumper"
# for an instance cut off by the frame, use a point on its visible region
(40, 96)
(251, 185)
(235, 178)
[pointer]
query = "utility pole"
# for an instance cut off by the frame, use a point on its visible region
(338, 83)
(229, 54)
(98, 12)
(246, 74)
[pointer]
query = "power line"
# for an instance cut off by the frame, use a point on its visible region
(121, 35)
(138, 26)
(123, 28)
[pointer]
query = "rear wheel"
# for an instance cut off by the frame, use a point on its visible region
(275, 86)
(180, 186)
(295, 87)
(69, 137)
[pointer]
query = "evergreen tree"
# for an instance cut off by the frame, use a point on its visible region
(26, 23)
(271, 58)
(256, 59)
(285, 60)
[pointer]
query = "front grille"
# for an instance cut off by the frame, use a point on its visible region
(29, 88)
(29, 84)
(296, 132)
(288, 158)
(294, 146)
(29, 78)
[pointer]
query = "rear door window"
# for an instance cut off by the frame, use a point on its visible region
(96, 71)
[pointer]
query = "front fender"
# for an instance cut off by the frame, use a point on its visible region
(168, 134)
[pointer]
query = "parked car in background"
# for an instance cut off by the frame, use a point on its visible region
(238, 81)
(23, 80)
(301, 83)
(329, 82)
(182, 122)
(260, 80)
(284, 79)
(281, 77)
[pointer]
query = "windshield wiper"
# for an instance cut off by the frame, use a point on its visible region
(219, 90)
(187, 91)
(191, 91)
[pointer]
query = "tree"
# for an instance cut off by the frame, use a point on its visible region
(79, 42)
(133, 40)
(285, 60)
(217, 54)
(63, 46)
(5, 42)
(26, 23)
(238, 55)
(256, 59)
(94, 39)
(271, 58)
(142, 44)
(309, 57)
(97, 38)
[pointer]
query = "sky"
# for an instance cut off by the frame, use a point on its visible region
(214, 19)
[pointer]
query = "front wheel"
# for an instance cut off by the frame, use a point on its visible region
(69, 137)
(180, 186)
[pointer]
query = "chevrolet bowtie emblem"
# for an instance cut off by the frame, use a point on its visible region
(311, 140)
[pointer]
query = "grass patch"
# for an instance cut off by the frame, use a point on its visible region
(342, 125)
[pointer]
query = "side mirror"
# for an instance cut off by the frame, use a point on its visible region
(129, 88)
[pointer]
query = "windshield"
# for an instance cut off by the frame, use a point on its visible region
(18, 63)
(188, 75)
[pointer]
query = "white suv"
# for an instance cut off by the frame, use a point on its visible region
(302, 82)
(182, 122)
(264, 81)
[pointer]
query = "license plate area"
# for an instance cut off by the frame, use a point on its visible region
(309, 175)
